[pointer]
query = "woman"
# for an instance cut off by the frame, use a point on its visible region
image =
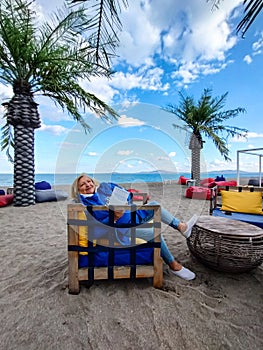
(85, 190)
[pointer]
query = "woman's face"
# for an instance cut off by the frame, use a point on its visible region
(86, 185)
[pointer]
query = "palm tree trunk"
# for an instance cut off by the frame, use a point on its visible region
(22, 113)
(195, 165)
(195, 146)
(24, 167)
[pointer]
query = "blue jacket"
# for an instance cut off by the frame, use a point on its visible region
(100, 197)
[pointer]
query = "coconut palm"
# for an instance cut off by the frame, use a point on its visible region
(205, 119)
(251, 11)
(49, 59)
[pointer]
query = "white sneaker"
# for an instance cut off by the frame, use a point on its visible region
(184, 273)
(190, 225)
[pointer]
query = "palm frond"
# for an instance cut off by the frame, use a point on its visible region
(105, 23)
(7, 141)
(251, 11)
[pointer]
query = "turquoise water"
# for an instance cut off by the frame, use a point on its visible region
(66, 179)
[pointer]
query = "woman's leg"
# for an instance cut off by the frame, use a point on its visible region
(169, 219)
(147, 235)
(176, 268)
(166, 216)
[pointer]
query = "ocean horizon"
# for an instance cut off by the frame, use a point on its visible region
(120, 178)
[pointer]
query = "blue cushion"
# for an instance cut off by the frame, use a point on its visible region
(42, 185)
(122, 257)
(253, 219)
(2, 192)
(50, 195)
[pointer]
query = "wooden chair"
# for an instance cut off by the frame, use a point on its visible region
(84, 246)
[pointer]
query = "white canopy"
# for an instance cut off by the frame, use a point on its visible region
(255, 152)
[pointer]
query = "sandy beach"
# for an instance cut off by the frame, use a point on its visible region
(216, 311)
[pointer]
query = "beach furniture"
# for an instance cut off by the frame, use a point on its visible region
(91, 257)
(6, 199)
(243, 203)
(226, 245)
(197, 192)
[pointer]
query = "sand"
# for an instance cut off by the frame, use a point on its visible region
(215, 311)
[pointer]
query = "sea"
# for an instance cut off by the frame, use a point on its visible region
(67, 179)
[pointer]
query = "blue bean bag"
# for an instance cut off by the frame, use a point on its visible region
(42, 185)
(50, 195)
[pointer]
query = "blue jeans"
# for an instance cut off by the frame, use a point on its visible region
(147, 233)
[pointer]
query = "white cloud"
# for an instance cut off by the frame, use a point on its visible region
(92, 154)
(172, 154)
(53, 129)
(248, 59)
(258, 45)
(125, 152)
(187, 33)
(253, 135)
(125, 121)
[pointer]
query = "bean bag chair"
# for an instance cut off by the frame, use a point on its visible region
(220, 178)
(198, 192)
(137, 197)
(6, 199)
(42, 185)
(222, 183)
(50, 196)
(182, 180)
(254, 182)
(206, 182)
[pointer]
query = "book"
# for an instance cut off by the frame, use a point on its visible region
(119, 196)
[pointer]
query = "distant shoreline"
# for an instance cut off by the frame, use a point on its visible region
(6, 180)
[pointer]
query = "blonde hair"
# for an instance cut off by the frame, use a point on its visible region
(75, 188)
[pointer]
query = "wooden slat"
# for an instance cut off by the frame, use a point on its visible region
(73, 265)
(101, 273)
(158, 262)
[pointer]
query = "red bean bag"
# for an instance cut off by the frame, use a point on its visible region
(222, 183)
(198, 192)
(6, 199)
(205, 182)
(182, 180)
(137, 197)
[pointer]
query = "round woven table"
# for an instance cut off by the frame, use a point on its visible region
(226, 245)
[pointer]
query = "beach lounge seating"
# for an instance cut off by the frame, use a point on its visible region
(237, 203)
(93, 258)
(6, 199)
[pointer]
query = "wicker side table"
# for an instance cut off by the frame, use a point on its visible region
(226, 245)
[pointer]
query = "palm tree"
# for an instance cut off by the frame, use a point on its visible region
(251, 11)
(51, 60)
(205, 119)
(105, 22)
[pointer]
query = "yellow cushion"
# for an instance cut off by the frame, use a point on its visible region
(242, 202)
(83, 241)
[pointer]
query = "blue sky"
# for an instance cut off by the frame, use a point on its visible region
(164, 49)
